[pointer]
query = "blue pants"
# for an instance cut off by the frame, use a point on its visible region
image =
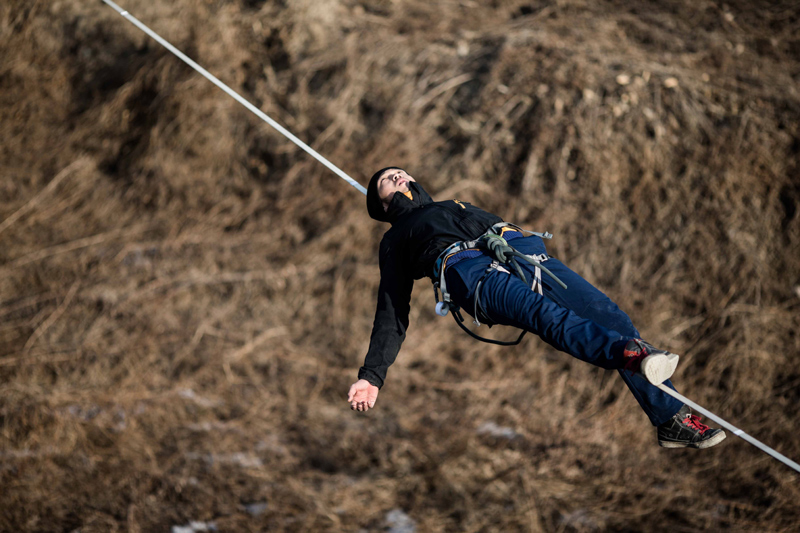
(579, 320)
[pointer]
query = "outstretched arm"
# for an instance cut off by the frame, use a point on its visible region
(388, 330)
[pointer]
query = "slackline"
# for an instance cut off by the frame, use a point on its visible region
(236, 96)
(336, 170)
(733, 429)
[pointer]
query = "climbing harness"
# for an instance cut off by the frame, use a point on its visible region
(497, 245)
(504, 258)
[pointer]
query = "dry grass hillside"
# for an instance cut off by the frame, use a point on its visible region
(185, 296)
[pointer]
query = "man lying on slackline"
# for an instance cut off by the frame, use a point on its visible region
(490, 279)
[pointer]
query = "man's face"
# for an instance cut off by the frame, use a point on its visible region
(392, 181)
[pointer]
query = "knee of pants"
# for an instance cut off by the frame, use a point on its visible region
(608, 314)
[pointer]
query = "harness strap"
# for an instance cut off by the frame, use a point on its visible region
(502, 254)
(537, 281)
(462, 246)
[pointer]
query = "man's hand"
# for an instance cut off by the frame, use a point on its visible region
(362, 395)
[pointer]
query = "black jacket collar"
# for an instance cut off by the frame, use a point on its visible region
(400, 204)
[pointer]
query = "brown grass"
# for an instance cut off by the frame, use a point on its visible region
(185, 296)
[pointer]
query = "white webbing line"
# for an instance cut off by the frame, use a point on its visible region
(260, 114)
(733, 429)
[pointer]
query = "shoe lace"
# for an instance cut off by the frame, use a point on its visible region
(693, 421)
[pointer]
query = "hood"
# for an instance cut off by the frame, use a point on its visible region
(400, 204)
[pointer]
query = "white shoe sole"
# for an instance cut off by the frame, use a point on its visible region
(658, 368)
(713, 441)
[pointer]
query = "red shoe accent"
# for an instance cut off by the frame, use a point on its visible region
(693, 421)
(633, 358)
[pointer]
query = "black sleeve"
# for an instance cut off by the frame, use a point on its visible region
(391, 318)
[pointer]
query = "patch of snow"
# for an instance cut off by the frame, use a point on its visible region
(189, 394)
(399, 522)
(86, 414)
(500, 432)
(255, 508)
(194, 527)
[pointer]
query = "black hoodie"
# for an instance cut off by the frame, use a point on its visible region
(421, 230)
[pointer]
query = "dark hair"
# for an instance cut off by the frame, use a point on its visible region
(374, 203)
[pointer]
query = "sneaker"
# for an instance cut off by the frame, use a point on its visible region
(654, 364)
(684, 430)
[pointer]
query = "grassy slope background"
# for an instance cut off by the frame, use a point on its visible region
(185, 296)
